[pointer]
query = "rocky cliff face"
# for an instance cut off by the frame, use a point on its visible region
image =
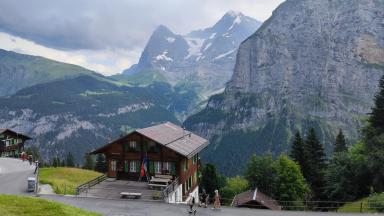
(312, 64)
(203, 60)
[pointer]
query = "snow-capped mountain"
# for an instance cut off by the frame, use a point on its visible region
(202, 59)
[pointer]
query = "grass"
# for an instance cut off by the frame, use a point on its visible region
(11, 205)
(373, 203)
(64, 180)
(357, 206)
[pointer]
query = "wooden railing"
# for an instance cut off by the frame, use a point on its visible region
(171, 187)
(90, 183)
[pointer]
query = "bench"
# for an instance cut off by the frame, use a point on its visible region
(163, 176)
(130, 195)
(152, 186)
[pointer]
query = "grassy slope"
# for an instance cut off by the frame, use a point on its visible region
(356, 206)
(11, 205)
(63, 179)
(373, 203)
(143, 78)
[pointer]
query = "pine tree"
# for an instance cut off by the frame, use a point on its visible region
(100, 165)
(297, 150)
(315, 165)
(88, 164)
(70, 161)
(61, 163)
(340, 144)
(55, 163)
(210, 179)
(377, 116)
(374, 140)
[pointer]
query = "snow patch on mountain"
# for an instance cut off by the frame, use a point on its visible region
(163, 57)
(195, 45)
(170, 39)
(236, 21)
(134, 107)
(225, 54)
(207, 46)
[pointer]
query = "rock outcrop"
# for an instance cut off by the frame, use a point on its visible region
(312, 64)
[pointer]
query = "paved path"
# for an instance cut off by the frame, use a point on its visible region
(13, 176)
(148, 208)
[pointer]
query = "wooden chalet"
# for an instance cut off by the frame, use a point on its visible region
(255, 199)
(11, 143)
(166, 149)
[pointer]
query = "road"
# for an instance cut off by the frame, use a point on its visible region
(111, 207)
(13, 176)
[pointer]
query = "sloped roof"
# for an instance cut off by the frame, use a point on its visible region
(171, 136)
(248, 199)
(3, 130)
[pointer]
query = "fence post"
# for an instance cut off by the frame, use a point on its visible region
(361, 207)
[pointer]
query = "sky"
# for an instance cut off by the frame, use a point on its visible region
(108, 36)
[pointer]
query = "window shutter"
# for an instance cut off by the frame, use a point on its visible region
(151, 167)
(138, 166)
(126, 166)
(173, 168)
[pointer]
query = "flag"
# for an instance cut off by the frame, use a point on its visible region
(142, 172)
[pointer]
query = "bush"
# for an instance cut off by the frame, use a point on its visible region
(376, 202)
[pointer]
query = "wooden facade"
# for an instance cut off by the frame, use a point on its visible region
(11, 143)
(125, 156)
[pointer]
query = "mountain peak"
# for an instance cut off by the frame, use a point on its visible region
(164, 30)
(234, 14)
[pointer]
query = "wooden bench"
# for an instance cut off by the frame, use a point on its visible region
(152, 186)
(130, 195)
(163, 176)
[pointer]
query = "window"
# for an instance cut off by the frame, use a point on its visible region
(167, 167)
(132, 144)
(133, 166)
(113, 165)
(189, 182)
(157, 167)
(185, 165)
(153, 147)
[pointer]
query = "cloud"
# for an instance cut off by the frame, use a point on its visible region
(103, 29)
(107, 62)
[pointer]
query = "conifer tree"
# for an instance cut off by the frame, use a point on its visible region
(100, 165)
(88, 162)
(55, 163)
(374, 140)
(297, 150)
(377, 116)
(340, 144)
(315, 165)
(70, 161)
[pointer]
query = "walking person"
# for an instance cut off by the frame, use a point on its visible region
(216, 204)
(30, 159)
(36, 166)
(191, 203)
(204, 199)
